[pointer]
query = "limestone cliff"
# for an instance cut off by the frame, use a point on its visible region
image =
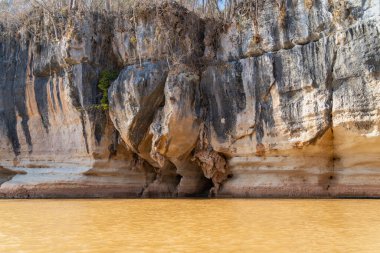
(281, 101)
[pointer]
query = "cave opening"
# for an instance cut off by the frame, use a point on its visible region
(208, 185)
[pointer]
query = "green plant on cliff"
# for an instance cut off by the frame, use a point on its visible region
(105, 79)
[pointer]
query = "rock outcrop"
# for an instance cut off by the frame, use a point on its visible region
(282, 101)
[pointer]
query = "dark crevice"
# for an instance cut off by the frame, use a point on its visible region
(330, 85)
(207, 189)
(112, 148)
(84, 132)
(178, 178)
(58, 90)
(40, 91)
(141, 192)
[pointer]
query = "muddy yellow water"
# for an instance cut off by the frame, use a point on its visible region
(189, 226)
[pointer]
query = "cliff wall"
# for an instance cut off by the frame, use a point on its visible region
(282, 101)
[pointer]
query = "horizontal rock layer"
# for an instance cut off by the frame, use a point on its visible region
(283, 101)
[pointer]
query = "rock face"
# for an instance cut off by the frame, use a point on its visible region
(283, 101)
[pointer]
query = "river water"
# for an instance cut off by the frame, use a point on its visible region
(210, 225)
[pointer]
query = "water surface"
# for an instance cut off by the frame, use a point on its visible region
(189, 226)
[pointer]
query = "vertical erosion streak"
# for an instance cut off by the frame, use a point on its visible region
(84, 132)
(263, 101)
(8, 115)
(74, 95)
(40, 91)
(330, 85)
(20, 92)
(14, 63)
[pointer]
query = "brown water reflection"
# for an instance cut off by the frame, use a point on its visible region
(189, 225)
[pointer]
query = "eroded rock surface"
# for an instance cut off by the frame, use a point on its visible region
(284, 100)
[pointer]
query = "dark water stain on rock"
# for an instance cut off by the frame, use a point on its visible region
(13, 62)
(41, 96)
(223, 91)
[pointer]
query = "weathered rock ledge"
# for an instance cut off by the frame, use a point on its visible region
(283, 102)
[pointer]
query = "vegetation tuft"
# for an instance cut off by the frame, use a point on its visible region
(105, 79)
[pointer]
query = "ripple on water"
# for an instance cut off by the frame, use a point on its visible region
(189, 225)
